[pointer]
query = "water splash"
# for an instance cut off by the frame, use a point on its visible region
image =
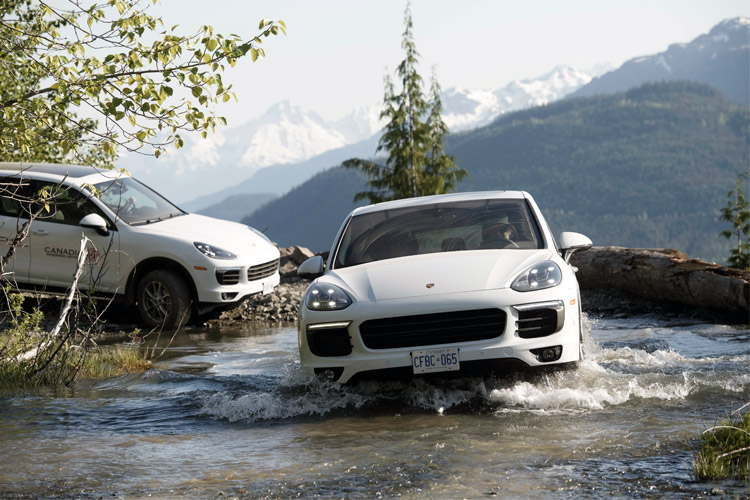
(610, 375)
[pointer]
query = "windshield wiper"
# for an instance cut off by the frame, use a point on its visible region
(157, 219)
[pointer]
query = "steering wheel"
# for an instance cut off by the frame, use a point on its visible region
(129, 205)
(509, 243)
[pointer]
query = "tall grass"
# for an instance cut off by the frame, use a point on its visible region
(71, 363)
(31, 356)
(725, 449)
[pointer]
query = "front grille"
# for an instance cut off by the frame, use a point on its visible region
(329, 342)
(262, 271)
(228, 276)
(433, 329)
(537, 323)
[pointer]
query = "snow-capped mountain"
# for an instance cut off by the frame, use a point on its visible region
(287, 134)
(362, 123)
(720, 58)
(284, 134)
(467, 109)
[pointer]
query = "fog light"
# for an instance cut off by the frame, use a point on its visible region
(329, 374)
(548, 354)
(228, 295)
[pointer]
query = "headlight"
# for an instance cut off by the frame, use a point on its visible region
(543, 275)
(326, 297)
(213, 252)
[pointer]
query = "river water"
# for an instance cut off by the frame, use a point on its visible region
(228, 413)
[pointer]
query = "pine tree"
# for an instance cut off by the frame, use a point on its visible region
(736, 212)
(416, 164)
(441, 172)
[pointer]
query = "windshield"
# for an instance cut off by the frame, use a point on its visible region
(135, 203)
(443, 227)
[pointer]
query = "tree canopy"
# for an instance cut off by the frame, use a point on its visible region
(65, 66)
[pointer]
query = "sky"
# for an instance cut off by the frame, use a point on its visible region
(336, 52)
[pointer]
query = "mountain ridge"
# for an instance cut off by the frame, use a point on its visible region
(647, 167)
(719, 58)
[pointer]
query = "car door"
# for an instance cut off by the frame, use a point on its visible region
(13, 215)
(55, 242)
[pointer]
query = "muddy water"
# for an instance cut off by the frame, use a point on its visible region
(229, 413)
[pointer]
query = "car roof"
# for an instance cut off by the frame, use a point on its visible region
(58, 171)
(442, 198)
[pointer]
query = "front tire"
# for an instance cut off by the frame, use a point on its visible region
(163, 300)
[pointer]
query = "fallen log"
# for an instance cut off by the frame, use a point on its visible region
(665, 275)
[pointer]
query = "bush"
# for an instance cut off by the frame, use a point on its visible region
(32, 357)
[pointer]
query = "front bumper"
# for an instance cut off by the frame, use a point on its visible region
(516, 342)
(230, 282)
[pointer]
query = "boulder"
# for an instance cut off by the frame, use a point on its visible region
(301, 254)
(291, 258)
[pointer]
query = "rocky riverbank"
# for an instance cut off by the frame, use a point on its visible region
(615, 282)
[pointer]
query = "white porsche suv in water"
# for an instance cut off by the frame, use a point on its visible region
(442, 283)
(143, 249)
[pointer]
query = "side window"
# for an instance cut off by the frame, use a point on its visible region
(15, 197)
(67, 205)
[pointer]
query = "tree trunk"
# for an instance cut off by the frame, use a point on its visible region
(665, 275)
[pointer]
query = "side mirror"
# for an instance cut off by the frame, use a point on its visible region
(96, 222)
(571, 243)
(311, 268)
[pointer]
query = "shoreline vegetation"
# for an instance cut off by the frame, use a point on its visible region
(725, 448)
(19, 372)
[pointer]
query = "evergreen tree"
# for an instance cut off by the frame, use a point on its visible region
(736, 212)
(416, 163)
(441, 172)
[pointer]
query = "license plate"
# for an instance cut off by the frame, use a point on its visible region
(267, 287)
(443, 359)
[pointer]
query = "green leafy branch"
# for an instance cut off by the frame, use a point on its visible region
(116, 61)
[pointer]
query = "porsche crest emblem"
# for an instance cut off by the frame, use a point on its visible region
(430, 285)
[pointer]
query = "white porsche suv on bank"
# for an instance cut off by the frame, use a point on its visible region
(143, 249)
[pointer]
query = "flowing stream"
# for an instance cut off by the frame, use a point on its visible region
(228, 413)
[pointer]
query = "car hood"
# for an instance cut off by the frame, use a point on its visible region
(436, 274)
(232, 236)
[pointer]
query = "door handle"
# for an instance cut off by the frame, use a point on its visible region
(40, 232)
